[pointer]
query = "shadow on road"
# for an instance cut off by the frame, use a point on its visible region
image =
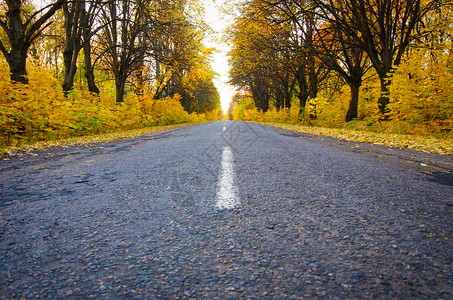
(443, 178)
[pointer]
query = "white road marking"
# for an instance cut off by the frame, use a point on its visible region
(227, 195)
(224, 128)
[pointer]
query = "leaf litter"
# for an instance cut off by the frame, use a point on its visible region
(82, 140)
(420, 143)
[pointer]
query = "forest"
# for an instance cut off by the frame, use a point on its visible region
(73, 68)
(79, 67)
(379, 65)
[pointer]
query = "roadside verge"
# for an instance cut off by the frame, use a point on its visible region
(423, 151)
(87, 139)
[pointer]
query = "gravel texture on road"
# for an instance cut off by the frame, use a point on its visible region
(317, 218)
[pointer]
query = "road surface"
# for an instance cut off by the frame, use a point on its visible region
(226, 210)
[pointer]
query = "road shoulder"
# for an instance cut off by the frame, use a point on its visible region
(422, 159)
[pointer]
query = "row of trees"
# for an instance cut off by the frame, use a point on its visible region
(151, 47)
(286, 49)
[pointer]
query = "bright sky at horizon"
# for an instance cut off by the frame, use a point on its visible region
(219, 21)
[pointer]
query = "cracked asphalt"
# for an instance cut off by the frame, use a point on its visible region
(317, 218)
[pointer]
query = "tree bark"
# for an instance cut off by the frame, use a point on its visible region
(72, 45)
(303, 89)
(120, 92)
(384, 99)
(86, 33)
(120, 84)
(303, 97)
(17, 56)
(17, 61)
(354, 86)
(89, 71)
(21, 34)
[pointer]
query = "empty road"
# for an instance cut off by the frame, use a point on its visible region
(226, 210)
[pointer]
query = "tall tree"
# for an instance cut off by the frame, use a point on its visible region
(87, 22)
(301, 22)
(124, 23)
(384, 29)
(253, 58)
(72, 12)
(336, 50)
(22, 29)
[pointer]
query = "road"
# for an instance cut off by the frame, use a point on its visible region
(226, 210)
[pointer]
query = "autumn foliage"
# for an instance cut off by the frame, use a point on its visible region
(334, 71)
(77, 68)
(39, 110)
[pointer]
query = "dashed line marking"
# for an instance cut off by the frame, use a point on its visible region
(227, 195)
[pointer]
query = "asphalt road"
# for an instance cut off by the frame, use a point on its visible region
(226, 210)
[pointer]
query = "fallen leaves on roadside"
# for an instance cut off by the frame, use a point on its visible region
(420, 143)
(89, 139)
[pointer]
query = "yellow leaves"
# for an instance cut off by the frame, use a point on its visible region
(421, 89)
(242, 113)
(40, 112)
(88, 139)
(212, 115)
(420, 143)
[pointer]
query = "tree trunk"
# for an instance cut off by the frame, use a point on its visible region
(89, 72)
(72, 44)
(279, 101)
(288, 86)
(140, 77)
(352, 113)
(260, 93)
(288, 96)
(17, 56)
(17, 61)
(303, 89)
(21, 34)
(120, 84)
(384, 99)
(313, 91)
(303, 97)
(119, 87)
(68, 83)
(313, 94)
(86, 32)
(70, 64)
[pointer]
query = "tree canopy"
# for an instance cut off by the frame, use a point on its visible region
(103, 54)
(306, 51)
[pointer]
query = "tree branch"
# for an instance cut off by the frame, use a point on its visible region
(30, 33)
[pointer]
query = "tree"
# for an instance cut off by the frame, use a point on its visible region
(337, 51)
(253, 58)
(73, 14)
(422, 85)
(301, 22)
(123, 50)
(22, 29)
(194, 82)
(87, 21)
(139, 35)
(384, 29)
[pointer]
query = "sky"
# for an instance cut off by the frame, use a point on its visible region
(219, 21)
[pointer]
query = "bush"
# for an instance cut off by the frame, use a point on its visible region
(422, 89)
(39, 110)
